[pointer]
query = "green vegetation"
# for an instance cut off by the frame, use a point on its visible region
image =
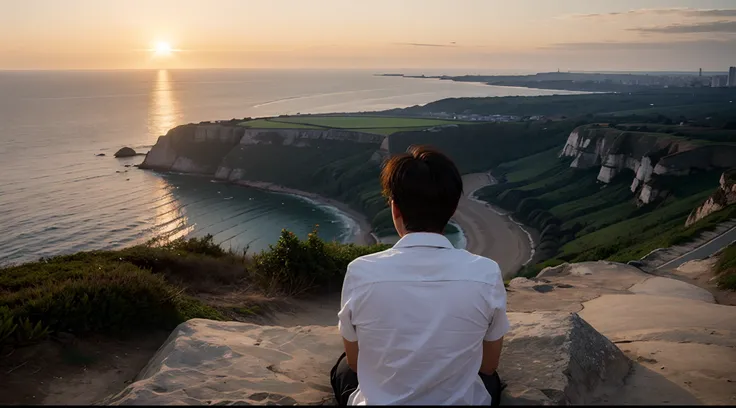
(713, 106)
(158, 285)
(726, 268)
(482, 146)
(382, 125)
(272, 124)
(363, 121)
(293, 266)
(581, 219)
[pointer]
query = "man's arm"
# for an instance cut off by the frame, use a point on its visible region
(491, 356)
(497, 328)
(345, 323)
(351, 353)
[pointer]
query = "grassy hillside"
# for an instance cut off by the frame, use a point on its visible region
(382, 125)
(480, 147)
(581, 219)
(159, 285)
(726, 268)
(695, 103)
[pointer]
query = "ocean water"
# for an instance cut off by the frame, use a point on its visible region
(57, 196)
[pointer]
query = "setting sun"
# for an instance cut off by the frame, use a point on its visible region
(163, 49)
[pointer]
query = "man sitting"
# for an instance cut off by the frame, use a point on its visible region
(422, 322)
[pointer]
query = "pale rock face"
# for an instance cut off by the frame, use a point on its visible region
(607, 174)
(161, 156)
(648, 194)
(724, 196)
(384, 144)
(643, 173)
(584, 160)
(379, 156)
(223, 173)
(206, 133)
(186, 165)
(571, 146)
(548, 358)
(236, 174)
(301, 137)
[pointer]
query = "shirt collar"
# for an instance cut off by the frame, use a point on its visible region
(423, 239)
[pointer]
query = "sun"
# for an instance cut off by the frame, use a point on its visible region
(162, 49)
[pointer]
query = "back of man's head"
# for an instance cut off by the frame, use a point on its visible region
(425, 185)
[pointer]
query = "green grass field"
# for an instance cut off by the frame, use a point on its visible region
(368, 124)
(269, 124)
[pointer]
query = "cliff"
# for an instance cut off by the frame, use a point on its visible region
(648, 155)
(724, 196)
(217, 149)
(583, 333)
(548, 358)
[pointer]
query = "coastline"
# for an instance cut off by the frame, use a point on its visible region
(362, 235)
(490, 233)
(532, 242)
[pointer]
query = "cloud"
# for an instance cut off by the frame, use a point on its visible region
(683, 12)
(426, 45)
(651, 45)
(709, 27)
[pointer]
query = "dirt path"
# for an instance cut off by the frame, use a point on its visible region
(73, 371)
(488, 233)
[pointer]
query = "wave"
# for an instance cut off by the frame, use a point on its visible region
(351, 227)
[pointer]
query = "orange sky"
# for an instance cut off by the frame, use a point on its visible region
(486, 35)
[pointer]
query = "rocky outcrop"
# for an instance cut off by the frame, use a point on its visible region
(215, 149)
(647, 155)
(682, 345)
(724, 196)
(125, 152)
(548, 358)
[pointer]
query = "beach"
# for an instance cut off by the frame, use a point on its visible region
(362, 235)
(489, 233)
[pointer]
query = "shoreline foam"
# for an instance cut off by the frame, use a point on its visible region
(357, 223)
(532, 243)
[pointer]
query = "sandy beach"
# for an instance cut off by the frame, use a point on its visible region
(363, 235)
(489, 233)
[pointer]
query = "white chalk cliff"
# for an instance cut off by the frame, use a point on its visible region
(207, 148)
(647, 155)
(724, 196)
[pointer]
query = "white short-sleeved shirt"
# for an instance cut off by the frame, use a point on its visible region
(420, 312)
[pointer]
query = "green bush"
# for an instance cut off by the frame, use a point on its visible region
(293, 266)
(726, 268)
(94, 297)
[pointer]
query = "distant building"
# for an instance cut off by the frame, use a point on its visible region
(718, 81)
(732, 76)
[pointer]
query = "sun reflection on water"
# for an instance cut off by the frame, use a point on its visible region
(171, 223)
(164, 111)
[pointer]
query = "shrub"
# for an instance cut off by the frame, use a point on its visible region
(293, 266)
(106, 297)
(726, 268)
(139, 287)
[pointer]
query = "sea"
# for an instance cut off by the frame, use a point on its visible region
(58, 196)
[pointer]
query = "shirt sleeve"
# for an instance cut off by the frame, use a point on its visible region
(345, 315)
(499, 324)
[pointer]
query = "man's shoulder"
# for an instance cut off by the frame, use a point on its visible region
(481, 268)
(370, 260)
(464, 265)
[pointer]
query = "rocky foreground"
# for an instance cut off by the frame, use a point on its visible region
(589, 333)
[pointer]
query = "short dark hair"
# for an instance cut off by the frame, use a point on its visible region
(425, 185)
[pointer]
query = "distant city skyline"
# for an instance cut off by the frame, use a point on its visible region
(479, 36)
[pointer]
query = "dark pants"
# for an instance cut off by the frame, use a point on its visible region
(344, 381)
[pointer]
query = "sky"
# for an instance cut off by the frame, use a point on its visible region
(477, 36)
